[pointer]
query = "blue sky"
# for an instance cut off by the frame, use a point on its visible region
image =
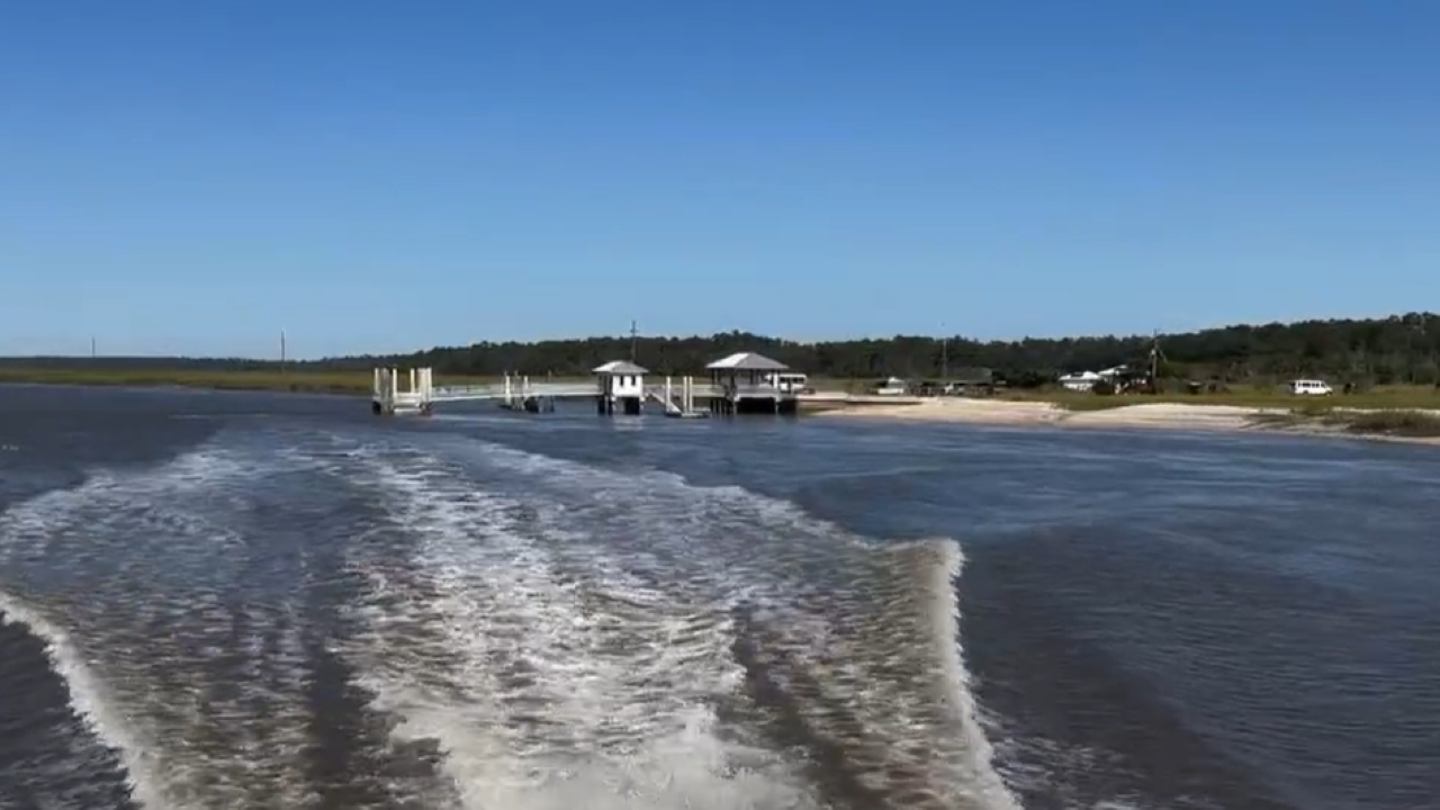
(188, 177)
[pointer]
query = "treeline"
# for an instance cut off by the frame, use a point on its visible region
(1398, 349)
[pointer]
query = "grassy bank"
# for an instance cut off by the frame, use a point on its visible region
(1411, 424)
(330, 382)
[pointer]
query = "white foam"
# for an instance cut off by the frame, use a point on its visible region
(565, 646)
(90, 700)
(772, 546)
(551, 684)
(154, 551)
(943, 611)
(841, 622)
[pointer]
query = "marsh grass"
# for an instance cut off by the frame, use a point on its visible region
(1413, 424)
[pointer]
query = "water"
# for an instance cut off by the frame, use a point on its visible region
(230, 600)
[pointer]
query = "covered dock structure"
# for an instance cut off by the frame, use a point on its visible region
(748, 382)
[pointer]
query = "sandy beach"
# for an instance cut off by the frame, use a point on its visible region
(1162, 415)
(1007, 412)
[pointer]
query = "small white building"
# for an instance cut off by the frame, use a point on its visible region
(1083, 381)
(622, 383)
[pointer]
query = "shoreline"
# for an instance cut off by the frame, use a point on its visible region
(1175, 416)
(1143, 415)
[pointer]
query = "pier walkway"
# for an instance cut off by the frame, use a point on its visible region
(741, 383)
(677, 395)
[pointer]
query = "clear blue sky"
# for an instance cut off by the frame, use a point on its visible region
(192, 177)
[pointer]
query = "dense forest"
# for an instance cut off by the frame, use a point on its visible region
(1398, 349)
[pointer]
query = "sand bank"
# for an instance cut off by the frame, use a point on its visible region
(1008, 412)
(1164, 415)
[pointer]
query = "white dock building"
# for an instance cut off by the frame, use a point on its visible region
(621, 386)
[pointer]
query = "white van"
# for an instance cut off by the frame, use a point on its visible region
(788, 382)
(1310, 388)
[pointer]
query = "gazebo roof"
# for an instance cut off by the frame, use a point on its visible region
(619, 367)
(747, 361)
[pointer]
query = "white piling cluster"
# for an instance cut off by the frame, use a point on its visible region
(388, 396)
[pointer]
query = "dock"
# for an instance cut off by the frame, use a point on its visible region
(741, 383)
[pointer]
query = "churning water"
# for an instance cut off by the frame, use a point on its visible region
(254, 601)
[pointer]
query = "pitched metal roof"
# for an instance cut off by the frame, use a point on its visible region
(747, 361)
(619, 367)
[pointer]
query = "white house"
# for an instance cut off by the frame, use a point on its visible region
(619, 382)
(1082, 381)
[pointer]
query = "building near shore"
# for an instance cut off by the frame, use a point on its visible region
(746, 383)
(620, 387)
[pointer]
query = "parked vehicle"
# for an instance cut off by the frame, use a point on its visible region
(893, 387)
(789, 382)
(1310, 388)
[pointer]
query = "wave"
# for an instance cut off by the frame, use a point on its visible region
(88, 698)
(547, 684)
(171, 580)
(293, 625)
(739, 625)
(136, 563)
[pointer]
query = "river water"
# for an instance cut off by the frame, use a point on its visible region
(232, 600)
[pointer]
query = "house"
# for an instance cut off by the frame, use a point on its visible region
(620, 385)
(975, 380)
(1081, 381)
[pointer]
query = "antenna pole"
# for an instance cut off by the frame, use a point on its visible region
(92, 347)
(1154, 357)
(634, 333)
(944, 354)
(282, 351)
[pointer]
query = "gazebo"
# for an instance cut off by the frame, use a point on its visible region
(747, 382)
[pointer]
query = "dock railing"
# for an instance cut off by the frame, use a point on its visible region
(753, 390)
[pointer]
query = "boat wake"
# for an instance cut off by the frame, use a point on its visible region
(550, 681)
(586, 634)
(89, 739)
(334, 623)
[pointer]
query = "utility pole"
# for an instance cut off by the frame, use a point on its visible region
(282, 351)
(944, 354)
(92, 347)
(634, 338)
